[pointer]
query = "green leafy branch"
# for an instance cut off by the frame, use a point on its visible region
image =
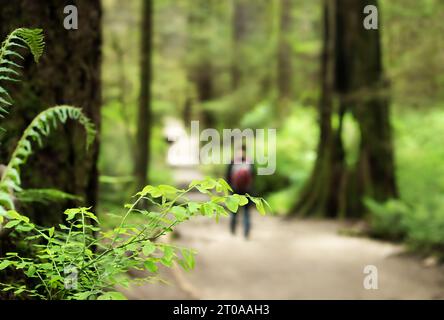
(127, 247)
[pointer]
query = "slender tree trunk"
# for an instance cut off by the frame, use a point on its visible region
(205, 91)
(240, 29)
(201, 70)
(69, 73)
(144, 112)
(122, 84)
(284, 65)
(352, 83)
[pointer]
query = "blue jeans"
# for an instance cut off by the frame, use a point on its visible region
(247, 222)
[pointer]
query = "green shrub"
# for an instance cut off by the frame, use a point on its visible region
(425, 227)
(387, 219)
(79, 259)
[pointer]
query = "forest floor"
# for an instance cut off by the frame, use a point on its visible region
(290, 259)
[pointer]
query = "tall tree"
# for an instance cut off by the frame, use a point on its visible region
(69, 73)
(352, 83)
(284, 65)
(240, 30)
(144, 112)
(200, 64)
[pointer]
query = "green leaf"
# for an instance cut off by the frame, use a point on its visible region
(188, 256)
(25, 227)
(14, 215)
(243, 200)
(112, 295)
(31, 271)
(260, 205)
(71, 213)
(12, 224)
(169, 190)
(168, 254)
(148, 248)
(179, 212)
(232, 204)
(91, 215)
(5, 263)
(150, 266)
(83, 295)
(193, 207)
(207, 209)
(223, 186)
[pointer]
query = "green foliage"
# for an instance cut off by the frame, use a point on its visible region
(387, 219)
(420, 225)
(296, 154)
(9, 55)
(419, 152)
(79, 260)
(44, 196)
(414, 60)
(39, 128)
(418, 219)
(425, 225)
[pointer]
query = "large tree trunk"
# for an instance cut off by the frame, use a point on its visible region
(69, 73)
(144, 114)
(352, 76)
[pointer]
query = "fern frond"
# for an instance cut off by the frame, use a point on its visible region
(44, 196)
(39, 128)
(34, 39)
(23, 38)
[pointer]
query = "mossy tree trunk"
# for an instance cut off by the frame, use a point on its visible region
(69, 73)
(353, 83)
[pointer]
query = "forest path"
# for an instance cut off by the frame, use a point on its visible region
(288, 259)
(296, 259)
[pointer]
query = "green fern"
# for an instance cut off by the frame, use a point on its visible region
(39, 128)
(23, 38)
(45, 196)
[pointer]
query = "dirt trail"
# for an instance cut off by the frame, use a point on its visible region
(296, 259)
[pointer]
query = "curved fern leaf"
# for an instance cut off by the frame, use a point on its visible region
(34, 39)
(23, 38)
(39, 128)
(44, 196)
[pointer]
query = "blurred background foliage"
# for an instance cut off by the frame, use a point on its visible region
(208, 68)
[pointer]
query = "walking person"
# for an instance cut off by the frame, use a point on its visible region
(240, 176)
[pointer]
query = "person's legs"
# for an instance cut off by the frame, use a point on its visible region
(247, 222)
(233, 223)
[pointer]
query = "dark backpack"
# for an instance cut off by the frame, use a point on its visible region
(241, 177)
